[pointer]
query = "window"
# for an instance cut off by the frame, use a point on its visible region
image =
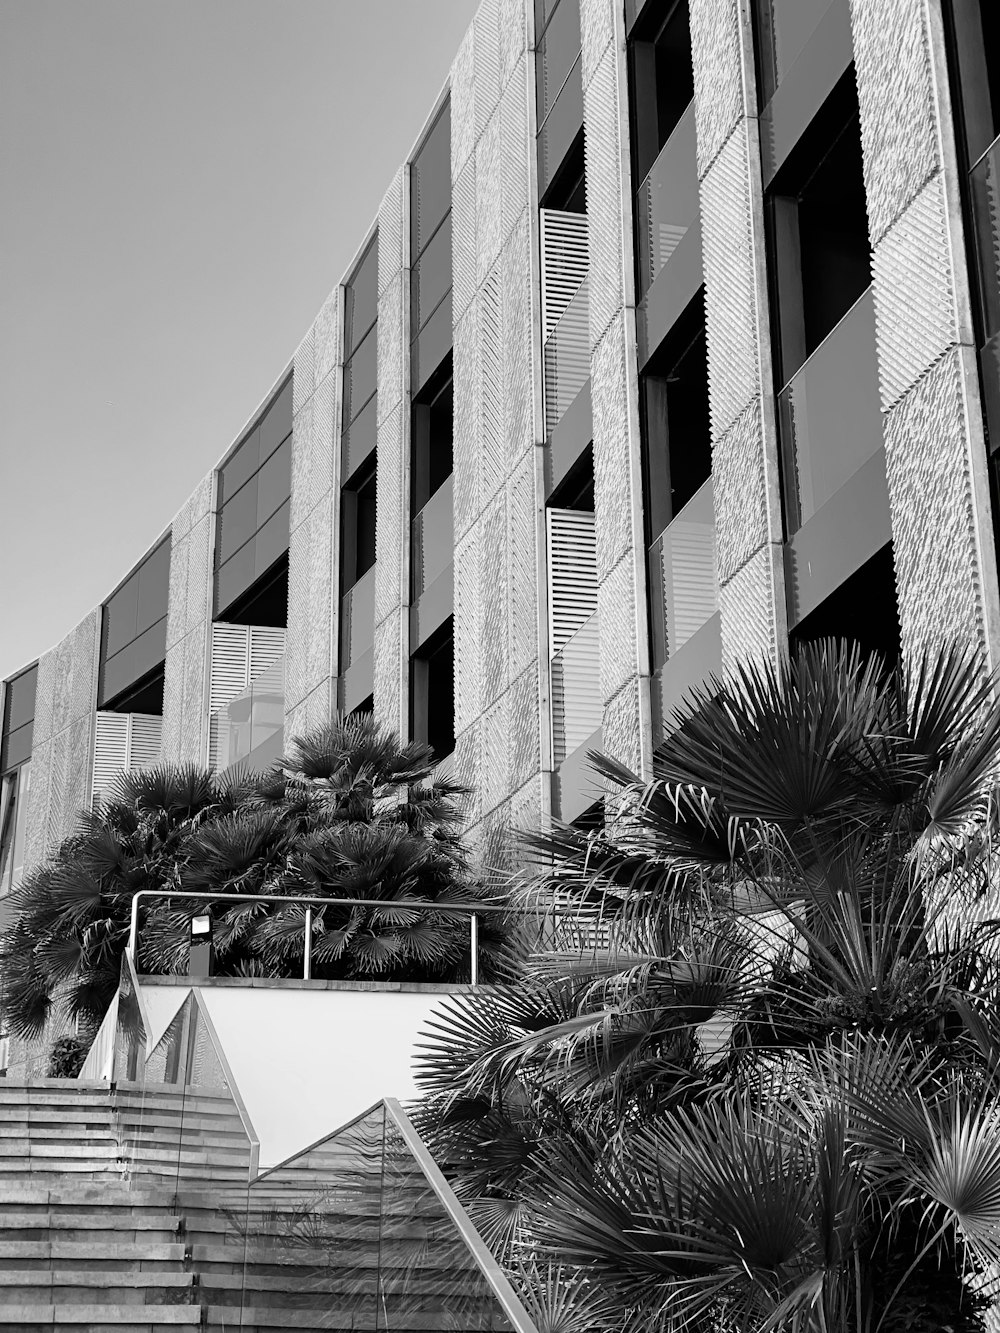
(675, 422)
(360, 361)
(13, 820)
(431, 436)
(818, 230)
(134, 634)
(863, 610)
(432, 692)
(18, 718)
(357, 526)
(430, 248)
(661, 80)
(558, 91)
(783, 27)
(254, 496)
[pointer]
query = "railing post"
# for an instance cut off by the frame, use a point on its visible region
(474, 948)
(307, 970)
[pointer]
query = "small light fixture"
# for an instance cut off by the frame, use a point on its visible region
(200, 949)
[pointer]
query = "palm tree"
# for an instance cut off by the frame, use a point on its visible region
(751, 1082)
(349, 812)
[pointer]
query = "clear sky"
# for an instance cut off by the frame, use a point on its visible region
(181, 184)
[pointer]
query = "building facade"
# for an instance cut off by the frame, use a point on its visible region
(675, 341)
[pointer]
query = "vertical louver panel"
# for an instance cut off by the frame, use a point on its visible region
(230, 663)
(267, 644)
(565, 261)
(110, 750)
(144, 740)
(572, 573)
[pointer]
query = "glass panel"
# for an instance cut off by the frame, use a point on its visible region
(558, 50)
(154, 587)
(683, 580)
(256, 715)
(562, 125)
(577, 709)
(120, 611)
(361, 298)
(785, 26)
(277, 425)
(19, 704)
(234, 577)
(16, 746)
(430, 181)
(360, 376)
(357, 620)
(119, 672)
(237, 521)
(432, 345)
(360, 438)
(431, 276)
(8, 823)
(240, 468)
(129, 1066)
(274, 482)
(371, 1245)
(272, 541)
(830, 415)
(148, 650)
(432, 542)
(667, 202)
(986, 207)
(567, 357)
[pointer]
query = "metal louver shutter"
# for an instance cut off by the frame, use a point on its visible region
(230, 664)
(110, 750)
(267, 644)
(565, 262)
(144, 740)
(572, 573)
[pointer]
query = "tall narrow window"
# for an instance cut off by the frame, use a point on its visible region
(432, 692)
(432, 436)
(358, 526)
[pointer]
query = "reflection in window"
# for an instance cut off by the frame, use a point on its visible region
(559, 99)
(134, 626)
(783, 27)
(360, 360)
(661, 80)
(432, 436)
(863, 609)
(254, 490)
(18, 718)
(13, 819)
(358, 526)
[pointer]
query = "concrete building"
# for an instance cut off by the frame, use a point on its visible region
(676, 338)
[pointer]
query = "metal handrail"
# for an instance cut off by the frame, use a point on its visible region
(475, 910)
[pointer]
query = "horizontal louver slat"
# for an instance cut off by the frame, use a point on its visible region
(144, 740)
(267, 644)
(565, 260)
(572, 573)
(230, 663)
(110, 750)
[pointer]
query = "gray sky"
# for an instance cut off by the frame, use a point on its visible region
(183, 181)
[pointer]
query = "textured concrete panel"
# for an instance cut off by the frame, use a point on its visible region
(393, 245)
(489, 198)
(606, 237)
(198, 504)
(916, 314)
(616, 609)
(896, 96)
(716, 49)
(512, 32)
(463, 105)
(390, 347)
(493, 454)
(495, 755)
(391, 528)
(740, 491)
(730, 301)
(597, 30)
(467, 765)
(390, 674)
(468, 632)
(463, 239)
(524, 727)
(612, 449)
(193, 738)
(518, 390)
(623, 727)
(493, 573)
(933, 520)
(486, 56)
(514, 148)
(199, 580)
(522, 566)
(468, 419)
(527, 811)
(326, 336)
(309, 714)
(304, 370)
(749, 614)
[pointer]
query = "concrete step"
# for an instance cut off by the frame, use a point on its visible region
(84, 1286)
(128, 1256)
(94, 1228)
(101, 1318)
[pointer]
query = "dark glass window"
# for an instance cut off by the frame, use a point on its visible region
(818, 230)
(430, 278)
(357, 526)
(432, 692)
(18, 718)
(863, 609)
(558, 52)
(14, 788)
(254, 491)
(430, 182)
(361, 299)
(576, 490)
(975, 41)
(134, 629)
(661, 80)
(676, 428)
(431, 436)
(558, 91)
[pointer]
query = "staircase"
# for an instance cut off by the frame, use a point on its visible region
(82, 1248)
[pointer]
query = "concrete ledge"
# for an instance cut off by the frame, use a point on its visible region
(299, 983)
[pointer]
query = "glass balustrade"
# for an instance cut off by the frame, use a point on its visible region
(357, 620)
(683, 577)
(576, 690)
(566, 357)
(667, 200)
(830, 415)
(432, 540)
(250, 729)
